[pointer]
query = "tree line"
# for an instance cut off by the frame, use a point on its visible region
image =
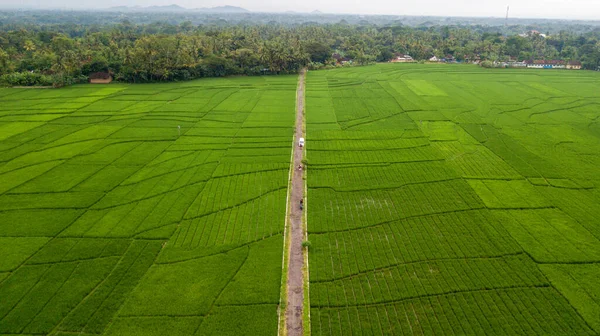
(67, 53)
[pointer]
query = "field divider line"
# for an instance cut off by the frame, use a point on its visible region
(393, 265)
(137, 283)
(406, 218)
(442, 294)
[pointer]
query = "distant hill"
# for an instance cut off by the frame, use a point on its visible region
(176, 8)
(170, 8)
(316, 11)
(119, 8)
(223, 9)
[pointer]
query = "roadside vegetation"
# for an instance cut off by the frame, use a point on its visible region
(66, 53)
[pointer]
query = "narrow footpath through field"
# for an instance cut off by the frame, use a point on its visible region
(295, 291)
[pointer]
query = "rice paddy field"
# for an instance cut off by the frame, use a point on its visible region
(453, 200)
(441, 200)
(144, 209)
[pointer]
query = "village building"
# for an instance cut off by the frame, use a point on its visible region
(449, 59)
(339, 59)
(533, 33)
(546, 64)
(474, 59)
(401, 58)
(100, 78)
(434, 59)
(574, 65)
(516, 64)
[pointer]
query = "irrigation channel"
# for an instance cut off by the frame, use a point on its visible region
(295, 277)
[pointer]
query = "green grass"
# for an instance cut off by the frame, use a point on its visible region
(114, 221)
(453, 200)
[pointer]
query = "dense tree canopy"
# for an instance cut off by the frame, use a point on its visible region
(168, 52)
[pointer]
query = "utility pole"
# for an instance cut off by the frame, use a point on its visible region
(506, 22)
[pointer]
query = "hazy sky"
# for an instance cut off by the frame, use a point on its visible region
(568, 9)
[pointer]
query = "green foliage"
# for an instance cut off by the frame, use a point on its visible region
(98, 64)
(157, 50)
(487, 64)
(385, 55)
(318, 52)
(26, 79)
(213, 66)
(38, 79)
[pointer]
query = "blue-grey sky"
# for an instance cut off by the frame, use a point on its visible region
(568, 9)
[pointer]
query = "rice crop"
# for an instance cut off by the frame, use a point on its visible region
(144, 209)
(453, 200)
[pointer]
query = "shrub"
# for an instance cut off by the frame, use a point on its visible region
(60, 80)
(26, 79)
(487, 64)
(315, 66)
(37, 79)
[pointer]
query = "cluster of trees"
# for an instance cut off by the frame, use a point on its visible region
(168, 52)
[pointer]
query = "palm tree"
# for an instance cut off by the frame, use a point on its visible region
(29, 46)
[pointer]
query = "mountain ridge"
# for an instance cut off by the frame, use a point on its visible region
(177, 8)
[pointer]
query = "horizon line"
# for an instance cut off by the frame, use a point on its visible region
(250, 11)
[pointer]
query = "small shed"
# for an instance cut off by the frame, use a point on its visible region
(576, 65)
(100, 78)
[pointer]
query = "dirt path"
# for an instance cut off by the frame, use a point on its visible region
(295, 290)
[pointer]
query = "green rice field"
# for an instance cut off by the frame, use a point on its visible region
(127, 210)
(441, 200)
(453, 200)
